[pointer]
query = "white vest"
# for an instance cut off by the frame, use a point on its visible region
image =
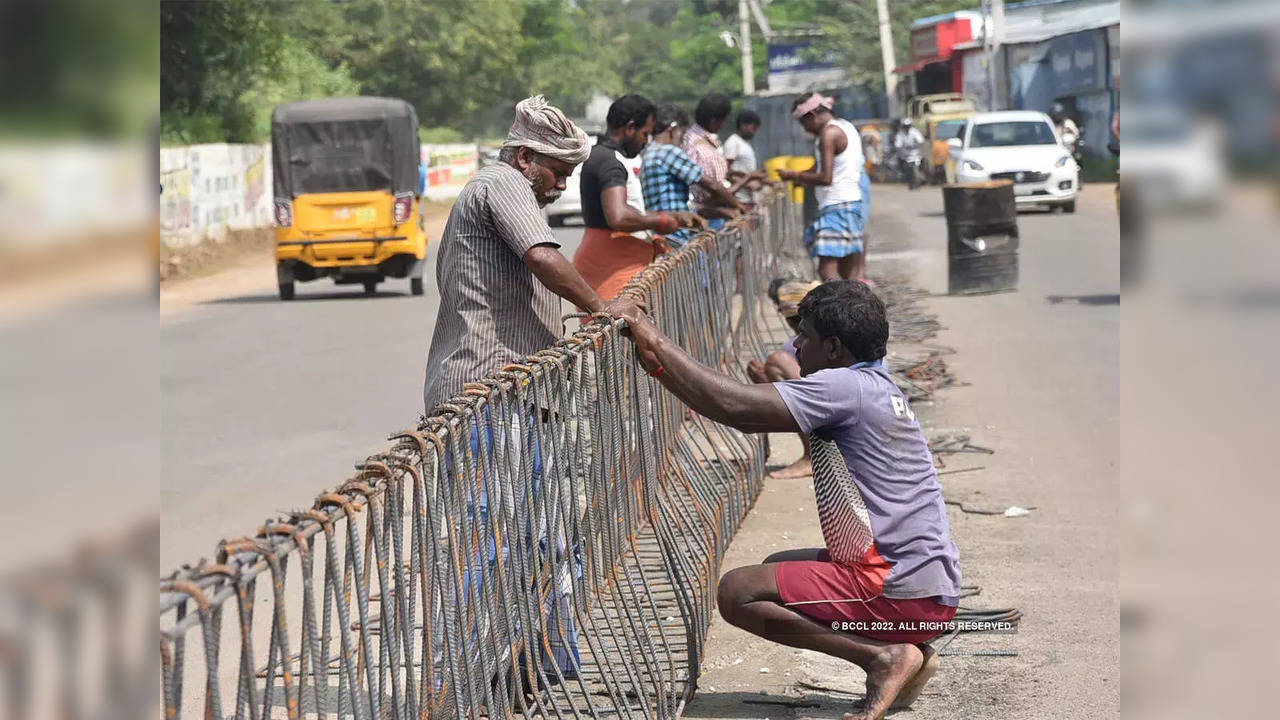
(846, 168)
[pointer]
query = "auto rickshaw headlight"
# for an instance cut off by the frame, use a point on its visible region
(401, 207)
(284, 213)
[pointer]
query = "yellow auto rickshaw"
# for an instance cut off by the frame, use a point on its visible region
(347, 187)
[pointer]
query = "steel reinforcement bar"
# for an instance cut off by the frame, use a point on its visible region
(547, 544)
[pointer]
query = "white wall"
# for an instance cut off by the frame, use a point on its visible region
(209, 189)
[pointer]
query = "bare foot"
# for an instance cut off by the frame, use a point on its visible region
(798, 469)
(911, 691)
(886, 679)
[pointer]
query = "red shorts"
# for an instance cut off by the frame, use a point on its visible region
(847, 598)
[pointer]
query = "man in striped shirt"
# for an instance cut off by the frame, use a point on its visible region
(703, 146)
(500, 271)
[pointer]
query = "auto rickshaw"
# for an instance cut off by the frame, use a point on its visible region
(939, 117)
(347, 191)
(941, 127)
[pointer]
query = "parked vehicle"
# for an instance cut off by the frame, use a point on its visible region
(1172, 161)
(938, 103)
(877, 146)
(347, 187)
(1020, 146)
(939, 129)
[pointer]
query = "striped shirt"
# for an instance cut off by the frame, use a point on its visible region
(493, 311)
(703, 148)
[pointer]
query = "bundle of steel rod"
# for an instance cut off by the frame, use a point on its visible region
(546, 544)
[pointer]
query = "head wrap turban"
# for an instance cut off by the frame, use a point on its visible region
(813, 102)
(544, 129)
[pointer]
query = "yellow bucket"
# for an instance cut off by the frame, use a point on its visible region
(774, 164)
(799, 163)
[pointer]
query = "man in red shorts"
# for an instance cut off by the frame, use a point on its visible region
(889, 576)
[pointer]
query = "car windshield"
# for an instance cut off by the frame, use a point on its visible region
(1003, 134)
(948, 129)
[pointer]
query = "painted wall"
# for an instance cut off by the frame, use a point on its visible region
(209, 189)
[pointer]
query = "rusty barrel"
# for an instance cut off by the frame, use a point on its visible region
(982, 237)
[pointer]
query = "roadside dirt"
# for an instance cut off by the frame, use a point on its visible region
(1037, 382)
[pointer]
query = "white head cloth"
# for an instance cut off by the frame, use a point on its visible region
(543, 128)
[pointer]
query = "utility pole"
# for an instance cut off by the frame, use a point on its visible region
(886, 55)
(744, 40)
(992, 37)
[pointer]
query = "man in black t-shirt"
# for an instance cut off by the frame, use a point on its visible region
(620, 238)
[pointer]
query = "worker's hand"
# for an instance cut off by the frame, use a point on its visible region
(633, 311)
(660, 245)
(690, 220)
(646, 335)
(787, 175)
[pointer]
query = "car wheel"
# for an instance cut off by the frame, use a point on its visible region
(370, 286)
(286, 291)
(1069, 206)
(416, 286)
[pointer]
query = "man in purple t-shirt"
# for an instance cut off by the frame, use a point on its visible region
(889, 571)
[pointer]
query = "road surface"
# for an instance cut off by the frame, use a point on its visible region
(1041, 367)
(267, 403)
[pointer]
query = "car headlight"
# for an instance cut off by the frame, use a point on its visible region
(1062, 161)
(971, 165)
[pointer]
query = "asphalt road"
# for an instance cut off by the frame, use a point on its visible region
(266, 403)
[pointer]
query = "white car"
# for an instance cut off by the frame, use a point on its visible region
(1018, 145)
(569, 204)
(1173, 162)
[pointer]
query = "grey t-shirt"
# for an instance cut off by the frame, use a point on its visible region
(877, 491)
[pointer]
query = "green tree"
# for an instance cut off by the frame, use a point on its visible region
(211, 53)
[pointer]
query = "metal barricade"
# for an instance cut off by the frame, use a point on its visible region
(548, 545)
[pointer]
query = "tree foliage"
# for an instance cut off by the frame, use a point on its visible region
(465, 63)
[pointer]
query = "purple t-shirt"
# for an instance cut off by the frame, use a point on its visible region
(876, 487)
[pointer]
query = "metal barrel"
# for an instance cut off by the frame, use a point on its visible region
(982, 237)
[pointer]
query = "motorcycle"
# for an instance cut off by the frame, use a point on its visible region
(1074, 143)
(908, 165)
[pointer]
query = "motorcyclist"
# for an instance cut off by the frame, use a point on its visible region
(1067, 129)
(907, 142)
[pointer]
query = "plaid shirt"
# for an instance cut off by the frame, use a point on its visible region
(704, 149)
(665, 177)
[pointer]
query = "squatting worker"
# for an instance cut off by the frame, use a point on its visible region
(500, 271)
(702, 144)
(835, 236)
(889, 557)
(667, 172)
(620, 237)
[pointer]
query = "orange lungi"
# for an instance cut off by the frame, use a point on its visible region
(607, 260)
